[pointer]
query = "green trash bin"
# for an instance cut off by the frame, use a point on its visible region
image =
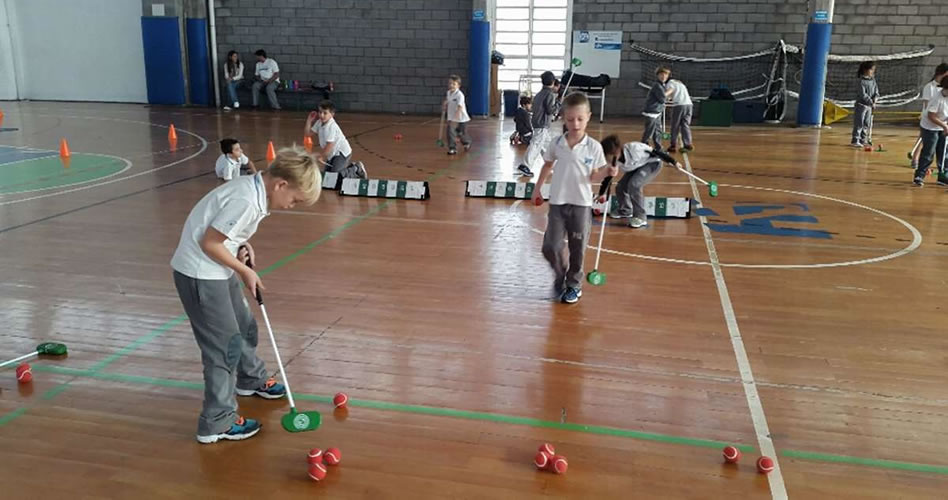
(716, 113)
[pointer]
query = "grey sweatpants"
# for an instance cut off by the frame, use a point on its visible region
(271, 93)
(569, 222)
(457, 130)
(681, 122)
(340, 164)
(629, 190)
(653, 131)
(226, 333)
(862, 123)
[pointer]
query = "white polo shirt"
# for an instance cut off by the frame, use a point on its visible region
(928, 91)
(455, 103)
(266, 69)
(573, 167)
(939, 105)
(235, 209)
(228, 168)
(680, 95)
(330, 132)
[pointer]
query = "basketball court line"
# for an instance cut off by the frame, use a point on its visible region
(777, 488)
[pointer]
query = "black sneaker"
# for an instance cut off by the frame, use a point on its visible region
(919, 181)
(452, 151)
(688, 148)
(572, 295)
(525, 170)
(942, 179)
(672, 149)
(467, 147)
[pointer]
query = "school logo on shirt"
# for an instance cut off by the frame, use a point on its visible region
(588, 161)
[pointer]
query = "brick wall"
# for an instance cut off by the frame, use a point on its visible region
(383, 55)
(714, 28)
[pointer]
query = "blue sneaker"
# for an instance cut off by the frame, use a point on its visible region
(572, 295)
(271, 389)
(243, 428)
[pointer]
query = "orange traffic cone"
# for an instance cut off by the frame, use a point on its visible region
(271, 154)
(172, 135)
(64, 149)
(308, 143)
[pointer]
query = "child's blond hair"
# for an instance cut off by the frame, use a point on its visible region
(300, 169)
(576, 99)
(455, 78)
(663, 69)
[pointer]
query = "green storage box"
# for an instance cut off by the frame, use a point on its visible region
(716, 113)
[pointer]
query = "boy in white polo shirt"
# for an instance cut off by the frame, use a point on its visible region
(933, 129)
(232, 162)
(579, 162)
(335, 151)
(212, 252)
(457, 117)
(266, 74)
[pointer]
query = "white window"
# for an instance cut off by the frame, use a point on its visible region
(533, 36)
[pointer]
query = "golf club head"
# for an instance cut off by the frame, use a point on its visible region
(596, 278)
(440, 143)
(51, 349)
(713, 189)
(576, 61)
(295, 421)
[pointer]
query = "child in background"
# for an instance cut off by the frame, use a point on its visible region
(865, 103)
(522, 118)
(232, 162)
(335, 151)
(641, 164)
(579, 162)
(655, 106)
(544, 109)
(213, 251)
(456, 112)
(681, 108)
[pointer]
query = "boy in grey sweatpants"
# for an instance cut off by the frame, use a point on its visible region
(212, 252)
(641, 164)
(655, 106)
(579, 162)
(865, 103)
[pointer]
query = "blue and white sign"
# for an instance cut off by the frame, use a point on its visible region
(479, 15)
(821, 16)
(600, 52)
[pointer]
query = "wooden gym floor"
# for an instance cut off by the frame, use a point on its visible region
(800, 315)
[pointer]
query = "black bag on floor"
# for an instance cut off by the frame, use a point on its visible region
(585, 81)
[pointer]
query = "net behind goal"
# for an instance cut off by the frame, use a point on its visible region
(773, 76)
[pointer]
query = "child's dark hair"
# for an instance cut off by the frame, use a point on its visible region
(525, 99)
(941, 69)
(327, 106)
(865, 67)
(944, 82)
(547, 78)
(227, 145)
(262, 53)
(610, 145)
(455, 78)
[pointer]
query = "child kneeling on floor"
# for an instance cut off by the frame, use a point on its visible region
(641, 164)
(213, 252)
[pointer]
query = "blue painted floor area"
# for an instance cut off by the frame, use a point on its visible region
(9, 154)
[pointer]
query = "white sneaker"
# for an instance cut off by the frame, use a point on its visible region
(226, 108)
(636, 222)
(360, 170)
(236, 104)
